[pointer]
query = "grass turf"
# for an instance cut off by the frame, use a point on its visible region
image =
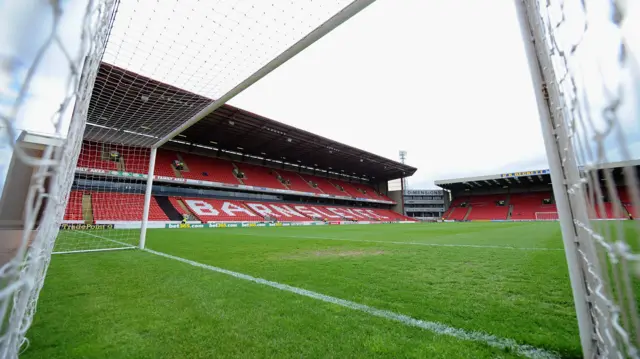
(133, 304)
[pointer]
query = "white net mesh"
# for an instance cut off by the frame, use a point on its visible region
(49, 56)
(105, 206)
(202, 49)
(165, 61)
(587, 53)
(546, 216)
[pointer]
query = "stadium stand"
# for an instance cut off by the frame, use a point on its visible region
(324, 185)
(297, 183)
(74, 207)
(108, 206)
(528, 195)
(91, 156)
(259, 176)
(459, 213)
(207, 169)
(485, 207)
(164, 161)
(625, 198)
(136, 160)
(526, 205)
(214, 210)
(228, 150)
(199, 167)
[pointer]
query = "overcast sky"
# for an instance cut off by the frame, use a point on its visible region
(445, 80)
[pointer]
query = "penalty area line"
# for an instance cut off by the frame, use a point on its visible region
(434, 327)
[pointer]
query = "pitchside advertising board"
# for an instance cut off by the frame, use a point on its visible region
(85, 227)
(277, 224)
(238, 225)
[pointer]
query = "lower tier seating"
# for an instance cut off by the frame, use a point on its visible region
(110, 206)
(458, 213)
(486, 207)
(74, 207)
(526, 205)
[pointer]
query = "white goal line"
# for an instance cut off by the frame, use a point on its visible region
(123, 244)
(434, 327)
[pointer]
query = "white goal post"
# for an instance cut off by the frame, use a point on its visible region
(546, 216)
(106, 57)
(584, 61)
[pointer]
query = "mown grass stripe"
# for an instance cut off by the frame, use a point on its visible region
(435, 327)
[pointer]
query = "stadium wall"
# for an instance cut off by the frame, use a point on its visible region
(396, 196)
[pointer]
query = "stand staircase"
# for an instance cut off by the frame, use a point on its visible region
(87, 208)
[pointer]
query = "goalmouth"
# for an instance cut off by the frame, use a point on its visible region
(547, 216)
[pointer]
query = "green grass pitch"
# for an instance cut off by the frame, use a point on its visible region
(508, 280)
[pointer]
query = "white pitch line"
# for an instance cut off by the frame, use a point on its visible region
(434, 327)
(127, 245)
(406, 243)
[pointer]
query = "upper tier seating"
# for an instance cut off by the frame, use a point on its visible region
(123, 207)
(353, 189)
(136, 159)
(208, 169)
(259, 176)
(297, 183)
(198, 167)
(324, 185)
(164, 159)
(91, 157)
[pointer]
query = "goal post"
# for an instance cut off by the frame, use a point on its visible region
(583, 60)
(546, 216)
(127, 82)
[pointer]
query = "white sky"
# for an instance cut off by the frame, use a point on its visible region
(445, 80)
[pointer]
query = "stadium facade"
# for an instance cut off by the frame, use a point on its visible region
(425, 204)
(233, 166)
(528, 195)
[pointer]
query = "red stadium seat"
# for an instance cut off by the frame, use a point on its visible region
(112, 206)
(259, 176)
(297, 183)
(526, 205)
(485, 207)
(74, 207)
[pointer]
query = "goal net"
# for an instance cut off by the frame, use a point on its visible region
(109, 82)
(583, 57)
(546, 216)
